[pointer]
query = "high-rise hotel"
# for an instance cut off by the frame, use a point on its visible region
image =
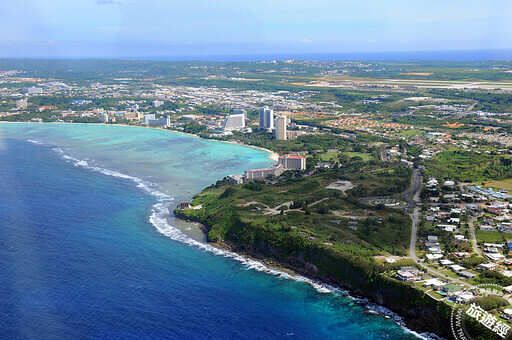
(266, 119)
(281, 121)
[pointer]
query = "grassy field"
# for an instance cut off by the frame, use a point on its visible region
(505, 184)
(365, 156)
(488, 236)
(409, 133)
(332, 156)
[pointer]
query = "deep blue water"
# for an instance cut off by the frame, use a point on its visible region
(79, 259)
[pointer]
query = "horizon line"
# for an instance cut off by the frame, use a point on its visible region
(279, 56)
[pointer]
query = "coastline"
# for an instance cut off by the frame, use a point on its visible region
(294, 271)
(265, 260)
(272, 155)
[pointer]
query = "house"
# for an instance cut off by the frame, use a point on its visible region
(466, 274)
(434, 283)
(454, 220)
(435, 250)
(487, 266)
(507, 273)
(185, 205)
(462, 296)
(458, 237)
(457, 268)
(449, 183)
(494, 257)
(449, 229)
(486, 227)
(432, 182)
(432, 257)
(411, 269)
(443, 214)
(406, 276)
(430, 219)
(445, 262)
(495, 245)
(461, 254)
(432, 238)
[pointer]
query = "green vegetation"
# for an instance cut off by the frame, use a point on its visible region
(466, 166)
(493, 277)
(491, 302)
(250, 213)
(484, 236)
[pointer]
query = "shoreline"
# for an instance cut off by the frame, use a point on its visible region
(272, 155)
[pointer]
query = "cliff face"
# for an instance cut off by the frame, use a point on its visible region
(420, 312)
(357, 275)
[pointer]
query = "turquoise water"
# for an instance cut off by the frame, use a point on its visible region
(87, 249)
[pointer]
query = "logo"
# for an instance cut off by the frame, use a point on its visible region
(469, 320)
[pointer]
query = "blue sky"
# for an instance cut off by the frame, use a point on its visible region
(70, 28)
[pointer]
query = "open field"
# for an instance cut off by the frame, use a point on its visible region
(505, 184)
(488, 236)
(421, 83)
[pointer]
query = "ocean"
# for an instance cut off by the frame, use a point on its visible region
(88, 249)
(439, 55)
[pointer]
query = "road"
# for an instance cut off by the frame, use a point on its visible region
(471, 224)
(412, 196)
(414, 190)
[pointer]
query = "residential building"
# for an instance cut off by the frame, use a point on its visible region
(266, 116)
(158, 103)
(104, 118)
(406, 276)
(21, 104)
(294, 134)
(291, 162)
(185, 205)
(281, 127)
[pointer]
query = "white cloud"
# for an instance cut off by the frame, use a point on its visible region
(306, 41)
